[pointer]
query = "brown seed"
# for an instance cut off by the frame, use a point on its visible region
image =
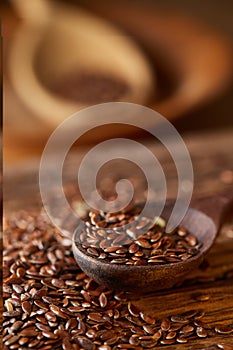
(148, 329)
(112, 340)
(20, 272)
(181, 340)
(40, 304)
(146, 337)
(92, 251)
(66, 344)
(95, 316)
(202, 324)
(41, 292)
(171, 335)
(42, 327)
(107, 335)
(140, 263)
(86, 305)
(133, 310)
(202, 297)
(102, 256)
(86, 343)
(6, 337)
(13, 339)
(187, 329)
(199, 314)
(143, 243)
(148, 344)
(156, 247)
(185, 256)
(49, 335)
(119, 261)
(50, 316)
(33, 343)
(23, 340)
(165, 325)
(8, 305)
(155, 237)
(13, 279)
(201, 332)
(49, 300)
(157, 335)
(56, 310)
(61, 333)
(179, 319)
(103, 300)
(72, 323)
(75, 309)
(148, 319)
(156, 261)
(41, 319)
(91, 333)
(133, 248)
(28, 332)
(122, 251)
(167, 341)
(27, 307)
(58, 283)
(127, 346)
(133, 340)
(11, 313)
(224, 329)
(111, 249)
(16, 325)
(86, 296)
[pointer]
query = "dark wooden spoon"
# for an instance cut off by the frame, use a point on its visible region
(203, 220)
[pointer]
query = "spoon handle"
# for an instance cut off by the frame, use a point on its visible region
(216, 207)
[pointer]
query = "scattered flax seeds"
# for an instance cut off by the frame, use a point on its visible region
(49, 303)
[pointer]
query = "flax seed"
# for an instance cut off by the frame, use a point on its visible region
(224, 329)
(165, 325)
(201, 332)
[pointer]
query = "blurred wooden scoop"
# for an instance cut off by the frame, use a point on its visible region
(56, 40)
(195, 58)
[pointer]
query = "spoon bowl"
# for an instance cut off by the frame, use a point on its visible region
(55, 42)
(204, 224)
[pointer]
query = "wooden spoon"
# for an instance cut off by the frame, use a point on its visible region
(195, 58)
(65, 40)
(203, 220)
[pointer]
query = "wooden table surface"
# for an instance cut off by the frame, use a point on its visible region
(212, 161)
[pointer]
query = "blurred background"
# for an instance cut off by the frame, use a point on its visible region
(174, 56)
(58, 57)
